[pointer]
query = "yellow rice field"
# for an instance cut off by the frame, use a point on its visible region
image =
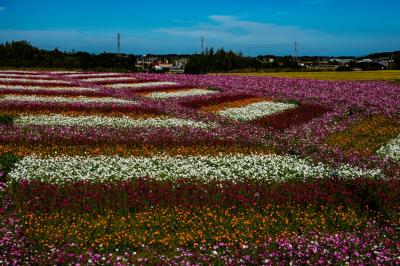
(332, 75)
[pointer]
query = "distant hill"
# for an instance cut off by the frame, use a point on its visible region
(383, 54)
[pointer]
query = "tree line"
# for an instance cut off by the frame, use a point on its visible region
(22, 54)
(225, 61)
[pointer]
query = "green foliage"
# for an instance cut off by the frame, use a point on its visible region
(6, 119)
(223, 61)
(292, 101)
(23, 54)
(219, 61)
(7, 162)
(344, 68)
(214, 89)
(396, 60)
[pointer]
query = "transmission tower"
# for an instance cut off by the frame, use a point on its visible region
(202, 44)
(119, 43)
(296, 52)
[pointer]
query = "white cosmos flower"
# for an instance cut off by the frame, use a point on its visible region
(108, 79)
(255, 110)
(206, 168)
(183, 93)
(35, 88)
(11, 75)
(63, 72)
(103, 121)
(59, 99)
(140, 85)
(391, 150)
(19, 71)
(83, 74)
(27, 80)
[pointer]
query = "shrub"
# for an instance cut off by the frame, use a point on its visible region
(214, 89)
(7, 162)
(6, 119)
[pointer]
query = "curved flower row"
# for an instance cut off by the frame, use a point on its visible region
(179, 93)
(27, 80)
(60, 99)
(231, 104)
(206, 168)
(292, 117)
(63, 72)
(128, 107)
(215, 99)
(116, 79)
(391, 150)
(22, 72)
(163, 137)
(103, 121)
(369, 247)
(89, 75)
(140, 85)
(15, 75)
(255, 110)
(367, 135)
(39, 88)
(146, 149)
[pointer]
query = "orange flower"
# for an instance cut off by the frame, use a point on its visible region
(232, 104)
(366, 136)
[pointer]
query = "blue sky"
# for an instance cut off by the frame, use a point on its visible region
(321, 27)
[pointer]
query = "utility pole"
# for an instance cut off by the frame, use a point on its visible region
(390, 62)
(143, 58)
(296, 52)
(202, 44)
(319, 55)
(119, 43)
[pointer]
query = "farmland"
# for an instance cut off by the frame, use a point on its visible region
(119, 168)
(333, 75)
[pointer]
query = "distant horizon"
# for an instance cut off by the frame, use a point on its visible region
(214, 48)
(320, 27)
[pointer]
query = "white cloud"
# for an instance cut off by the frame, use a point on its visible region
(229, 32)
(234, 31)
(223, 19)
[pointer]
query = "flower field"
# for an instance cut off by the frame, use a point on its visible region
(333, 75)
(120, 169)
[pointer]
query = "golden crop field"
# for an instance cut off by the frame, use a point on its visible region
(332, 75)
